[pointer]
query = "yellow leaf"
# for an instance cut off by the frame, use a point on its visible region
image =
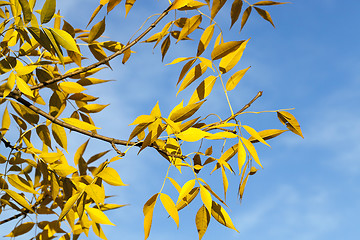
(235, 11)
(71, 87)
(110, 176)
(68, 205)
(128, 6)
(181, 59)
(176, 185)
(148, 214)
(65, 40)
(44, 134)
(179, 4)
(21, 184)
(221, 135)
(5, 124)
(112, 4)
(226, 157)
(251, 150)
(235, 79)
(91, 81)
(245, 16)
(203, 90)
(205, 39)
(206, 197)
(26, 10)
(192, 135)
(225, 181)
(183, 113)
(255, 134)
(156, 111)
(59, 135)
(241, 156)
(23, 70)
(10, 83)
(190, 25)
(21, 229)
(192, 75)
(224, 49)
(93, 108)
(169, 205)
(228, 62)
(290, 121)
(97, 30)
(185, 69)
(47, 11)
(96, 192)
(143, 119)
(268, 3)
(186, 188)
(80, 124)
(19, 199)
(80, 151)
(202, 221)
(98, 216)
(165, 47)
(64, 169)
(188, 198)
(216, 6)
(265, 15)
(267, 134)
(51, 157)
(221, 216)
(23, 87)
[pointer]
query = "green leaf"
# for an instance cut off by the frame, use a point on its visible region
(48, 11)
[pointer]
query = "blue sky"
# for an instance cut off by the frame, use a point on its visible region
(307, 187)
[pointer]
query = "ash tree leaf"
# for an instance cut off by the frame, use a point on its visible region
(112, 4)
(192, 75)
(251, 150)
(110, 176)
(69, 204)
(179, 4)
(190, 25)
(241, 156)
(80, 124)
(245, 16)
(187, 199)
(290, 121)
(203, 90)
(26, 10)
(268, 3)
(235, 11)
(64, 169)
(93, 108)
(148, 211)
(165, 47)
(170, 207)
(96, 192)
(6, 121)
(229, 62)
(224, 49)
(265, 15)
(71, 87)
(98, 216)
(216, 6)
(65, 39)
(184, 113)
(255, 134)
(205, 39)
(202, 221)
(206, 197)
(21, 184)
(47, 11)
(235, 79)
(44, 134)
(128, 5)
(192, 135)
(267, 134)
(19, 199)
(219, 213)
(21, 229)
(186, 188)
(97, 30)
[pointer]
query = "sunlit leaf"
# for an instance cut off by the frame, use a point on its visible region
(80, 124)
(219, 213)
(206, 197)
(26, 10)
(185, 201)
(255, 134)
(290, 121)
(21, 229)
(186, 188)
(192, 135)
(110, 176)
(19, 199)
(21, 184)
(229, 62)
(65, 40)
(224, 49)
(169, 205)
(185, 112)
(216, 6)
(98, 216)
(202, 220)
(71, 87)
(267, 134)
(241, 156)
(251, 150)
(235, 11)
(265, 15)
(179, 4)
(235, 79)
(68, 205)
(192, 75)
(97, 30)
(203, 90)
(191, 25)
(245, 16)
(148, 214)
(93, 108)
(268, 3)
(47, 11)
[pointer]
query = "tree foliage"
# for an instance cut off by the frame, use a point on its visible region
(44, 99)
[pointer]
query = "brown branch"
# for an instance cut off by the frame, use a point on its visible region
(69, 126)
(105, 60)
